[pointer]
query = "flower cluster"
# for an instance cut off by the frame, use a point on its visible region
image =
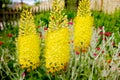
(106, 33)
(27, 25)
(84, 8)
(28, 42)
(1, 43)
(83, 31)
(83, 23)
(56, 19)
(57, 49)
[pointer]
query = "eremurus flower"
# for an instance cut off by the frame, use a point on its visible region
(28, 42)
(57, 49)
(83, 23)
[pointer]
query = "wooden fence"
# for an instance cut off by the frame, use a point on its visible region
(9, 18)
(107, 6)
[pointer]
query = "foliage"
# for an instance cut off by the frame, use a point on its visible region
(70, 14)
(8, 60)
(110, 21)
(3, 4)
(42, 19)
(37, 3)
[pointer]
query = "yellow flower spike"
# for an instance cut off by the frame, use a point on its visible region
(57, 48)
(84, 8)
(28, 42)
(56, 20)
(83, 25)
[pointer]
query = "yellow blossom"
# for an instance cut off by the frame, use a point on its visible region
(28, 42)
(83, 25)
(57, 49)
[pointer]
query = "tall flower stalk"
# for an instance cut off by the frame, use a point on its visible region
(28, 42)
(57, 49)
(83, 25)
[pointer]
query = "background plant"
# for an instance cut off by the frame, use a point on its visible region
(110, 21)
(42, 19)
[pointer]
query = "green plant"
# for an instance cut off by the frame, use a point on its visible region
(42, 19)
(37, 3)
(70, 14)
(110, 21)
